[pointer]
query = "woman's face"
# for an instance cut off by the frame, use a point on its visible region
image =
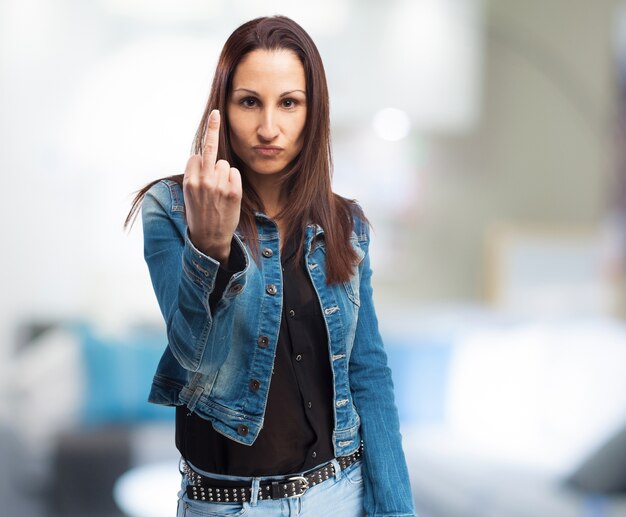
(267, 110)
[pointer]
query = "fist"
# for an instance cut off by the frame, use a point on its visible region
(212, 193)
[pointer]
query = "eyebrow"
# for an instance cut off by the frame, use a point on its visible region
(258, 95)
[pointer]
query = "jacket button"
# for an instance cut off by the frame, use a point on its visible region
(267, 253)
(236, 288)
(298, 358)
(242, 429)
(271, 289)
(263, 341)
(255, 385)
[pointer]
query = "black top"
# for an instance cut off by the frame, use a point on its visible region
(299, 419)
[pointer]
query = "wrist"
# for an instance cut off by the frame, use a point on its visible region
(219, 251)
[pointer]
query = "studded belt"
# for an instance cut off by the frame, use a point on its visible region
(202, 488)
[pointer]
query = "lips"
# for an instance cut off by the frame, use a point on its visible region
(267, 150)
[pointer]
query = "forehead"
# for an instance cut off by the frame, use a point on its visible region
(270, 70)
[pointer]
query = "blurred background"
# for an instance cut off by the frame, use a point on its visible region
(486, 142)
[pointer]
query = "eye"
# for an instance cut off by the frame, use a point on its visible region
(289, 103)
(248, 102)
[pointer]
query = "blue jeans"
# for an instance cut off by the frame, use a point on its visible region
(340, 496)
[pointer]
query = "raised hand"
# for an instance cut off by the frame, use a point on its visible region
(212, 193)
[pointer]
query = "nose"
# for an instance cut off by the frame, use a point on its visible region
(268, 128)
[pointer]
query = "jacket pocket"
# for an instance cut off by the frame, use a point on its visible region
(352, 286)
(352, 290)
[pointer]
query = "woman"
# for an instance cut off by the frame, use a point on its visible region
(284, 402)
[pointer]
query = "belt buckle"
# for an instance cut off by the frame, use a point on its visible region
(304, 485)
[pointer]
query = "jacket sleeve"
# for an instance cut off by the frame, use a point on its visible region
(187, 283)
(386, 478)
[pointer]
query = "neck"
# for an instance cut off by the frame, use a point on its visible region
(270, 190)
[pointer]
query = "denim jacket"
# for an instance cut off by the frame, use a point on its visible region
(219, 363)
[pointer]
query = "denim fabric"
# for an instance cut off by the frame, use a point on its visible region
(340, 496)
(212, 356)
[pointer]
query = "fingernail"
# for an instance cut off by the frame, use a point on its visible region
(215, 115)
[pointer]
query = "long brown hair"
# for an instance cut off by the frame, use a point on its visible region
(308, 180)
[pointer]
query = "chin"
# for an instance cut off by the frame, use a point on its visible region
(267, 169)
